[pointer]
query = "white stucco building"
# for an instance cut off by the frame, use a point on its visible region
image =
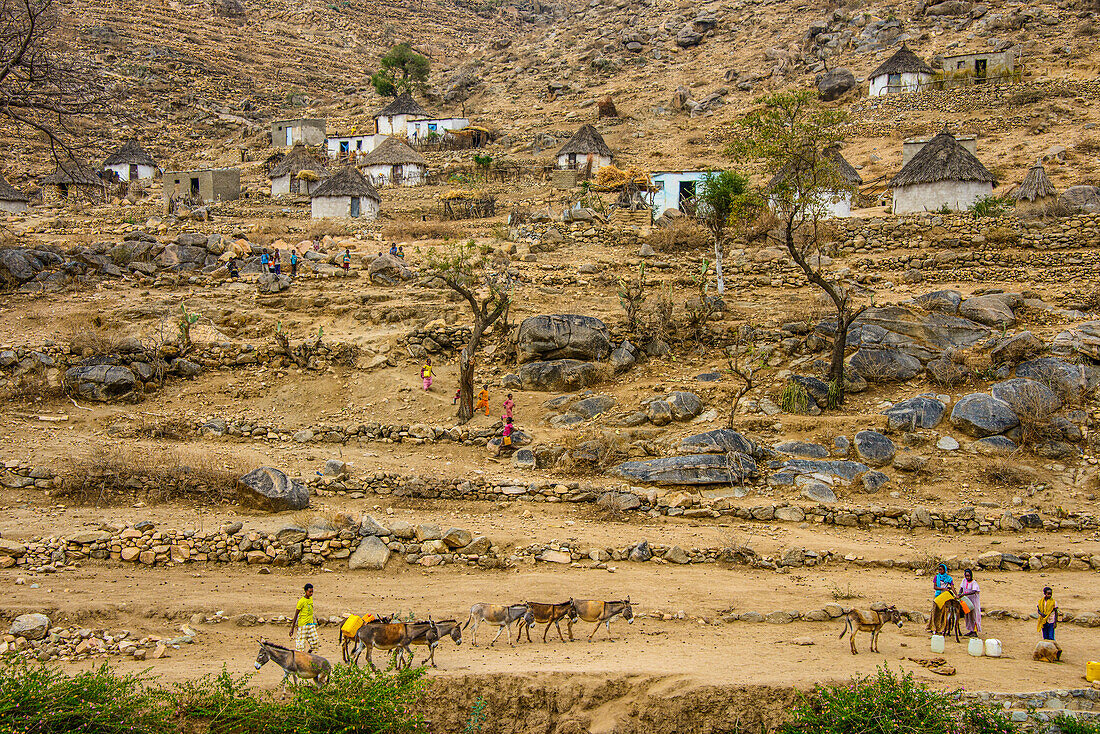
(676, 190)
(902, 72)
(393, 119)
(345, 194)
(426, 128)
(835, 203)
(394, 164)
(942, 174)
(303, 131)
(350, 147)
(285, 177)
(131, 162)
(586, 152)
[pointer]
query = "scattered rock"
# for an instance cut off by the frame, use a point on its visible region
(874, 448)
(269, 489)
(372, 554)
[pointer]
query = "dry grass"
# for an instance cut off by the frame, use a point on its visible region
(683, 233)
(114, 474)
(411, 229)
(90, 333)
(590, 453)
(1007, 473)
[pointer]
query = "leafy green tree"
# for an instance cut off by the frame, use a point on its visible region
(468, 272)
(795, 140)
(725, 197)
(401, 70)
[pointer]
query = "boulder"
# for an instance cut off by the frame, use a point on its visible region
(802, 448)
(620, 501)
(1068, 380)
(389, 270)
(690, 470)
(457, 537)
(994, 446)
(563, 336)
(950, 7)
(183, 257)
(1026, 397)
(874, 448)
(623, 357)
(641, 552)
(291, 534)
(479, 546)
(269, 283)
(834, 83)
(678, 555)
(819, 492)
(719, 441)
(102, 382)
(688, 37)
(684, 405)
(1016, 349)
(1081, 199)
(884, 365)
(659, 413)
(921, 411)
(980, 415)
(267, 488)
(560, 375)
(369, 526)
(921, 328)
(945, 302)
(992, 310)
(593, 406)
(372, 554)
(19, 265)
(31, 626)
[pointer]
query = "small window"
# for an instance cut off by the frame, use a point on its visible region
(893, 80)
(355, 206)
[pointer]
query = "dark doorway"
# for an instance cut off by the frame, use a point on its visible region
(134, 176)
(398, 174)
(195, 188)
(686, 201)
(980, 70)
(355, 206)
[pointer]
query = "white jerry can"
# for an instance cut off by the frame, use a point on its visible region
(975, 647)
(937, 644)
(992, 648)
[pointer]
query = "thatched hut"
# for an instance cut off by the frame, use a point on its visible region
(346, 193)
(902, 72)
(1035, 193)
(393, 119)
(837, 202)
(586, 151)
(942, 174)
(11, 198)
(285, 176)
(393, 163)
(76, 180)
(131, 162)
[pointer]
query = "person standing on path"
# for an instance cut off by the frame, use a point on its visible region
(483, 399)
(1048, 614)
(265, 262)
(347, 261)
(509, 404)
(940, 583)
(304, 623)
(969, 590)
(276, 263)
(293, 263)
(426, 373)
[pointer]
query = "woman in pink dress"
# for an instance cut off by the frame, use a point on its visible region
(969, 590)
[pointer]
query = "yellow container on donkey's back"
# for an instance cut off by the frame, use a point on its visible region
(351, 625)
(1092, 672)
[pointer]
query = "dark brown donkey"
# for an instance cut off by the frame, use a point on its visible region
(602, 612)
(860, 620)
(432, 636)
(395, 636)
(549, 614)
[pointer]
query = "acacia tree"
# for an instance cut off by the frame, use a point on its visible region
(401, 70)
(42, 90)
(721, 198)
(467, 271)
(794, 137)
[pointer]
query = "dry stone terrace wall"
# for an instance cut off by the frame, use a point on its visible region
(962, 100)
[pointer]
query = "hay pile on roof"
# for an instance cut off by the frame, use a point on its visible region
(611, 178)
(130, 154)
(347, 182)
(1036, 185)
(903, 61)
(72, 172)
(460, 194)
(393, 152)
(300, 158)
(586, 140)
(10, 193)
(942, 159)
(403, 105)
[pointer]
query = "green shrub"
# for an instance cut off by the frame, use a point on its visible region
(990, 206)
(794, 398)
(1068, 724)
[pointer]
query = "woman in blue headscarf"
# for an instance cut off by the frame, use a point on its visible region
(941, 582)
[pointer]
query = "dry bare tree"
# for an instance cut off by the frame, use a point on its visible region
(42, 89)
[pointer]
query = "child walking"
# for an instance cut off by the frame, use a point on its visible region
(483, 400)
(508, 406)
(426, 373)
(457, 397)
(347, 263)
(506, 437)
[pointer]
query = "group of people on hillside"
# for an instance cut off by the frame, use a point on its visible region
(943, 589)
(426, 375)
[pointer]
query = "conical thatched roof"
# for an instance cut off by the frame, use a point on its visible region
(586, 140)
(393, 152)
(843, 168)
(902, 62)
(300, 158)
(1036, 185)
(403, 105)
(942, 159)
(10, 193)
(347, 182)
(73, 172)
(130, 154)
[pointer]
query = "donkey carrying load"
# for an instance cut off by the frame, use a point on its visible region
(300, 665)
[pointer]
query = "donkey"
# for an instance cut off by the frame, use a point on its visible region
(858, 620)
(301, 665)
(431, 637)
(601, 612)
(549, 614)
(502, 617)
(394, 636)
(953, 614)
(347, 640)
